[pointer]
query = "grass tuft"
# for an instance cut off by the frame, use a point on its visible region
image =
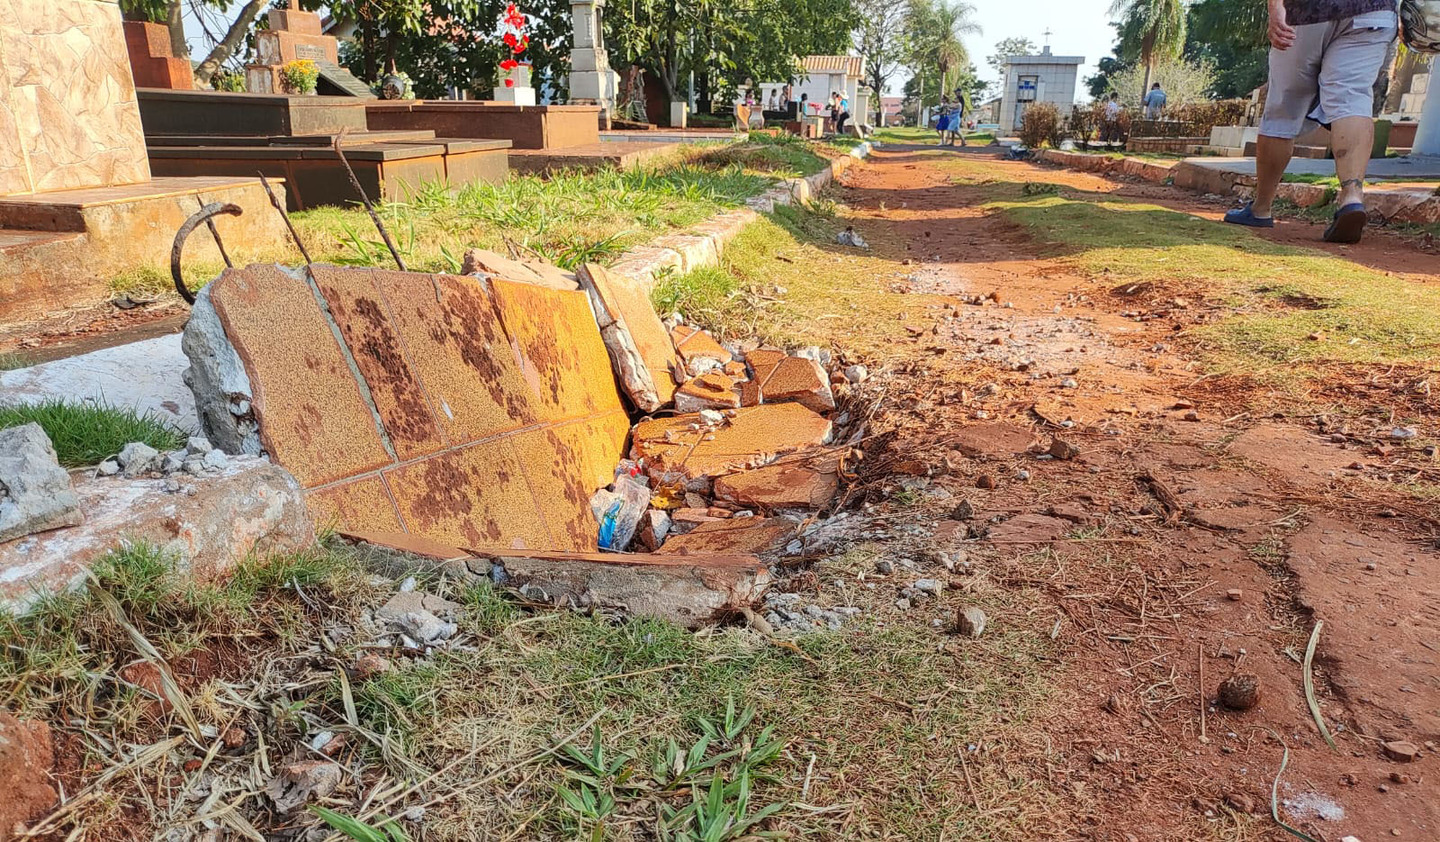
(87, 433)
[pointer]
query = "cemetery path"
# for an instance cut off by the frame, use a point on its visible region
(1202, 504)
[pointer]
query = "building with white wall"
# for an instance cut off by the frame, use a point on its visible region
(821, 76)
(1040, 78)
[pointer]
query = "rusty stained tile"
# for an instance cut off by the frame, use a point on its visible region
(475, 496)
(763, 361)
(801, 380)
(663, 443)
(626, 302)
(792, 483)
(563, 360)
(461, 354)
(714, 390)
(313, 419)
(523, 271)
(743, 535)
(694, 343)
(755, 436)
(555, 463)
(384, 361)
(600, 443)
(358, 504)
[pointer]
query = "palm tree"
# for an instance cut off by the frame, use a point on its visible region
(1150, 30)
(936, 30)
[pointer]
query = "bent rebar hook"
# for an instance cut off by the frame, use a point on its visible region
(207, 215)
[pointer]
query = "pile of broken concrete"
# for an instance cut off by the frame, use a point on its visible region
(546, 426)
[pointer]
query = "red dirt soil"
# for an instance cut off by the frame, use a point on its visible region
(1239, 532)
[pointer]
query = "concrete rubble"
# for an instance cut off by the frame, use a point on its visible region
(35, 492)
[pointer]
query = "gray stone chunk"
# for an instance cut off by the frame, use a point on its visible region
(137, 458)
(198, 446)
(218, 380)
(216, 460)
(35, 492)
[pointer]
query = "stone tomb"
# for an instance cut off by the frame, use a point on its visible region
(480, 414)
(78, 205)
(152, 57)
(294, 35)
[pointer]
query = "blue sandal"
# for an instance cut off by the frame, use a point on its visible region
(1348, 225)
(1245, 216)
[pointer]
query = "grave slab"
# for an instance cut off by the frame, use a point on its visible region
(640, 348)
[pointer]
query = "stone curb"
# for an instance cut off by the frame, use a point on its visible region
(704, 244)
(1419, 206)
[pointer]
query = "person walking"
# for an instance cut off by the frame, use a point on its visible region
(959, 117)
(1155, 102)
(1324, 58)
(1110, 131)
(942, 125)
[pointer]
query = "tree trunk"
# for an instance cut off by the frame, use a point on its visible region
(1145, 86)
(234, 37)
(367, 49)
(175, 21)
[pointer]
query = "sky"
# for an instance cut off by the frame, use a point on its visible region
(1080, 28)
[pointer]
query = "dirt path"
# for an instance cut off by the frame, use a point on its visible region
(1177, 535)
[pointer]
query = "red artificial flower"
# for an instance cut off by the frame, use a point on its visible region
(509, 83)
(509, 64)
(510, 40)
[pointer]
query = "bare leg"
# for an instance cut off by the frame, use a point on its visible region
(1352, 139)
(1272, 156)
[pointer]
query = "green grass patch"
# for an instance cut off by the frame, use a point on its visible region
(88, 433)
(1281, 295)
(14, 360)
(917, 134)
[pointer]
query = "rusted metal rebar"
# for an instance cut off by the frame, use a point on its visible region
(206, 214)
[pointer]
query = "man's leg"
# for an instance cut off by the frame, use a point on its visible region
(1272, 156)
(1352, 138)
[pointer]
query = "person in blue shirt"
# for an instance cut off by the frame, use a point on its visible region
(1154, 102)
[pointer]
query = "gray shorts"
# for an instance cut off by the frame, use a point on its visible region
(1327, 74)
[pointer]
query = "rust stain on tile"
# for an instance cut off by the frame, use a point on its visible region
(359, 504)
(800, 380)
(460, 353)
(315, 421)
(554, 463)
(562, 357)
(745, 535)
(381, 356)
(472, 497)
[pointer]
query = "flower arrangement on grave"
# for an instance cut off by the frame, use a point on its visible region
(513, 25)
(299, 76)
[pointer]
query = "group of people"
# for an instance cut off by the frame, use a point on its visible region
(1153, 103)
(783, 106)
(950, 121)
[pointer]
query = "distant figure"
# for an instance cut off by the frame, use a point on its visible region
(840, 110)
(942, 123)
(1110, 132)
(959, 126)
(1324, 58)
(1154, 102)
(774, 104)
(787, 101)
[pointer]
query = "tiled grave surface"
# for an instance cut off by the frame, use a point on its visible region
(485, 413)
(638, 341)
(752, 437)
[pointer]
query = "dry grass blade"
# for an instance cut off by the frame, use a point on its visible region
(143, 757)
(177, 698)
(1275, 793)
(1310, 685)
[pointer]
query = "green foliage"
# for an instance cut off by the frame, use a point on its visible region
(1006, 48)
(1041, 125)
(1183, 83)
(299, 76)
(233, 82)
(880, 39)
(935, 32)
(87, 433)
(1231, 35)
(359, 831)
(1150, 30)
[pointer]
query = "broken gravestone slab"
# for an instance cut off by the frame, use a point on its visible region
(35, 492)
(482, 262)
(712, 390)
(748, 438)
(698, 350)
(640, 349)
(803, 481)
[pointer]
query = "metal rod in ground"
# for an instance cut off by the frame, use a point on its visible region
(220, 244)
(374, 217)
(295, 235)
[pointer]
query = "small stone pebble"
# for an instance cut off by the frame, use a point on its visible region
(884, 567)
(970, 621)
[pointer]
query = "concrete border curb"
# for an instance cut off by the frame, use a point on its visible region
(704, 244)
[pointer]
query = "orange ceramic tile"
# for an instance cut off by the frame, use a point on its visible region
(358, 504)
(384, 361)
(763, 361)
(693, 343)
(600, 443)
(474, 496)
(743, 536)
(629, 305)
(560, 469)
(664, 443)
(755, 436)
(563, 361)
(713, 390)
(792, 483)
(313, 419)
(412, 544)
(460, 352)
(800, 380)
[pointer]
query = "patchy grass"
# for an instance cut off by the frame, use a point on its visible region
(1362, 315)
(916, 134)
(832, 294)
(538, 724)
(14, 360)
(87, 433)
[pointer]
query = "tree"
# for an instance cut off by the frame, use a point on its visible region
(1183, 81)
(1230, 34)
(999, 61)
(1150, 30)
(880, 41)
